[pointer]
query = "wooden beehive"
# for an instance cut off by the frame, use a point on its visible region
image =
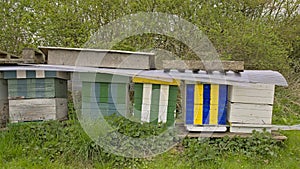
(3, 101)
(37, 95)
(250, 107)
(104, 94)
(206, 107)
(155, 101)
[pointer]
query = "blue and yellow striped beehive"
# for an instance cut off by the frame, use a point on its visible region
(206, 104)
(155, 100)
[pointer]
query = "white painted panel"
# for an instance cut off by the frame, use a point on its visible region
(21, 74)
(163, 103)
(206, 128)
(162, 116)
(249, 113)
(147, 93)
(252, 93)
(40, 74)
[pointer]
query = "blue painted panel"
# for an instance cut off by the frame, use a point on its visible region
(223, 95)
(30, 74)
(50, 73)
(222, 114)
(190, 104)
(10, 75)
(206, 91)
(206, 110)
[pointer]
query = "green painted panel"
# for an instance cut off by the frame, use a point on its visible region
(61, 88)
(138, 96)
(154, 108)
(173, 91)
(122, 93)
(86, 89)
(104, 90)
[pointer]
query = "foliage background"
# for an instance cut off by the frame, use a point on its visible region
(263, 33)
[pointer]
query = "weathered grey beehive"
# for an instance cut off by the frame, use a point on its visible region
(36, 95)
(3, 101)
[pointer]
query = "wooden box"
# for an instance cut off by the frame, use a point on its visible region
(155, 101)
(38, 109)
(104, 94)
(3, 101)
(37, 95)
(250, 107)
(205, 105)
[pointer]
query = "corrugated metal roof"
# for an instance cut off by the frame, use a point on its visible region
(45, 49)
(230, 78)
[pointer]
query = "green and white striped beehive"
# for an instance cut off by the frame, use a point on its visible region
(155, 101)
(37, 95)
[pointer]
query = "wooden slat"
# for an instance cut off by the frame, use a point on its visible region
(208, 66)
(37, 109)
(252, 93)
(249, 113)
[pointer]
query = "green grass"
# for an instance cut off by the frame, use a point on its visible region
(65, 145)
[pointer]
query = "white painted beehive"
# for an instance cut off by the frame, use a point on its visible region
(250, 107)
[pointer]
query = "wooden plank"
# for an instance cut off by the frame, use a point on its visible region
(152, 81)
(103, 77)
(8, 56)
(249, 113)
(199, 65)
(216, 128)
(254, 93)
(98, 58)
(37, 109)
(183, 132)
(239, 129)
(4, 113)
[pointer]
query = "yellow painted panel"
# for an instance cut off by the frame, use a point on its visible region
(152, 81)
(214, 101)
(198, 109)
(214, 94)
(213, 117)
(198, 94)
